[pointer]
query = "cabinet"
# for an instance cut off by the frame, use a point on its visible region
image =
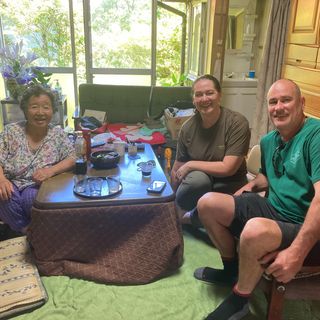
(302, 52)
(11, 112)
(301, 55)
(304, 22)
(240, 96)
(318, 60)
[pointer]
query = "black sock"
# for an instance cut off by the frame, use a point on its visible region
(230, 265)
(234, 305)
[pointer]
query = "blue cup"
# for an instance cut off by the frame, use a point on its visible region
(252, 74)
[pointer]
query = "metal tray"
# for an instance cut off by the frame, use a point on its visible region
(104, 192)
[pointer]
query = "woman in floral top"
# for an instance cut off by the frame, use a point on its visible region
(31, 151)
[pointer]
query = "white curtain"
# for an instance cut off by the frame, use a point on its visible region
(271, 65)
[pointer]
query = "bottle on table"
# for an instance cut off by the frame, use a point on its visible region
(87, 137)
(58, 89)
(168, 156)
(80, 148)
(80, 145)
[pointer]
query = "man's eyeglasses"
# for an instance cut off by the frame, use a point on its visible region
(277, 161)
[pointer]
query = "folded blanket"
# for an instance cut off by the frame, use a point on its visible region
(133, 133)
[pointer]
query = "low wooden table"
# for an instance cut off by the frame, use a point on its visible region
(130, 238)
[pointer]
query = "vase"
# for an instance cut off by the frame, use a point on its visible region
(15, 89)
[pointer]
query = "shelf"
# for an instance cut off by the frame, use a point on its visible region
(238, 83)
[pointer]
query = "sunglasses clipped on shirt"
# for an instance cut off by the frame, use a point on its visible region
(277, 161)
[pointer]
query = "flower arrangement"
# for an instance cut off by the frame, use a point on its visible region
(18, 71)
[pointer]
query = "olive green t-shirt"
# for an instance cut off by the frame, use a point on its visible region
(292, 168)
(229, 136)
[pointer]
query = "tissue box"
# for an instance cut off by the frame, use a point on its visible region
(175, 123)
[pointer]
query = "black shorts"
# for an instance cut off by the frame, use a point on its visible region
(250, 205)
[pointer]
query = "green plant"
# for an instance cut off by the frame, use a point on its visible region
(174, 81)
(41, 76)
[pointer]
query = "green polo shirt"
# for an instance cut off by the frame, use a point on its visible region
(292, 169)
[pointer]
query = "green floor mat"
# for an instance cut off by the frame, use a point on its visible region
(177, 297)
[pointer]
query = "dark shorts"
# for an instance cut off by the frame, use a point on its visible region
(250, 205)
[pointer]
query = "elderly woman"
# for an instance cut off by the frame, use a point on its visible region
(211, 149)
(31, 151)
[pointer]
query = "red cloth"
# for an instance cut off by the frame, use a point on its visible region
(115, 128)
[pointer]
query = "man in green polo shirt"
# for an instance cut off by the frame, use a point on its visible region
(275, 233)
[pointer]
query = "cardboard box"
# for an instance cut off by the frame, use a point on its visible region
(99, 115)
(174, 124)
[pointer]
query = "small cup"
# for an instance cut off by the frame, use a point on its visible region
(80, 167)
(145, 168)
(113, 183)
(252, 74)
(95, 186)
(120, 147)
(80, 183)
(132, 150)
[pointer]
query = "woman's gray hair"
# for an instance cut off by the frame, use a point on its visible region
(36, 91)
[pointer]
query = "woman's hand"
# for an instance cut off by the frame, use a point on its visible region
(183, 171)
(6, 189)
(42, 174)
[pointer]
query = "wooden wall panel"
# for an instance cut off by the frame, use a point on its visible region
(302, 55)
(309, 82)
(304, 22)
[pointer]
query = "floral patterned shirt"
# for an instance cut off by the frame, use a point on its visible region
(19, 161)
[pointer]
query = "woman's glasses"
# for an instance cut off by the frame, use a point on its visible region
(277, 161)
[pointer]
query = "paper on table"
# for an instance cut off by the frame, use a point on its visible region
(103, 137)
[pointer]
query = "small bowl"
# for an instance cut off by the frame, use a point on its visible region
(104, 159)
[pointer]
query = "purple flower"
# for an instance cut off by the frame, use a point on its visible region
(15, 65)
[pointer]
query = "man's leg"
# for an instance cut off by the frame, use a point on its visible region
(259, 237)
(216, 212)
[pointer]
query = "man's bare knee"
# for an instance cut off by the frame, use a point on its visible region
(206, 203)
(259, 231)
(213, 202)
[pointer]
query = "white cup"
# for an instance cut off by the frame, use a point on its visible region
(113, 183)
(80, 183)
(145, 168)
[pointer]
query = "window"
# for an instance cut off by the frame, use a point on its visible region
(197, 45)
(139, 42)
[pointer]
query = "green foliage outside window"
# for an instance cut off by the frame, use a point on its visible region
(44, 26)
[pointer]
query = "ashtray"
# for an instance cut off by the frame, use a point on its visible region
(104, 159)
